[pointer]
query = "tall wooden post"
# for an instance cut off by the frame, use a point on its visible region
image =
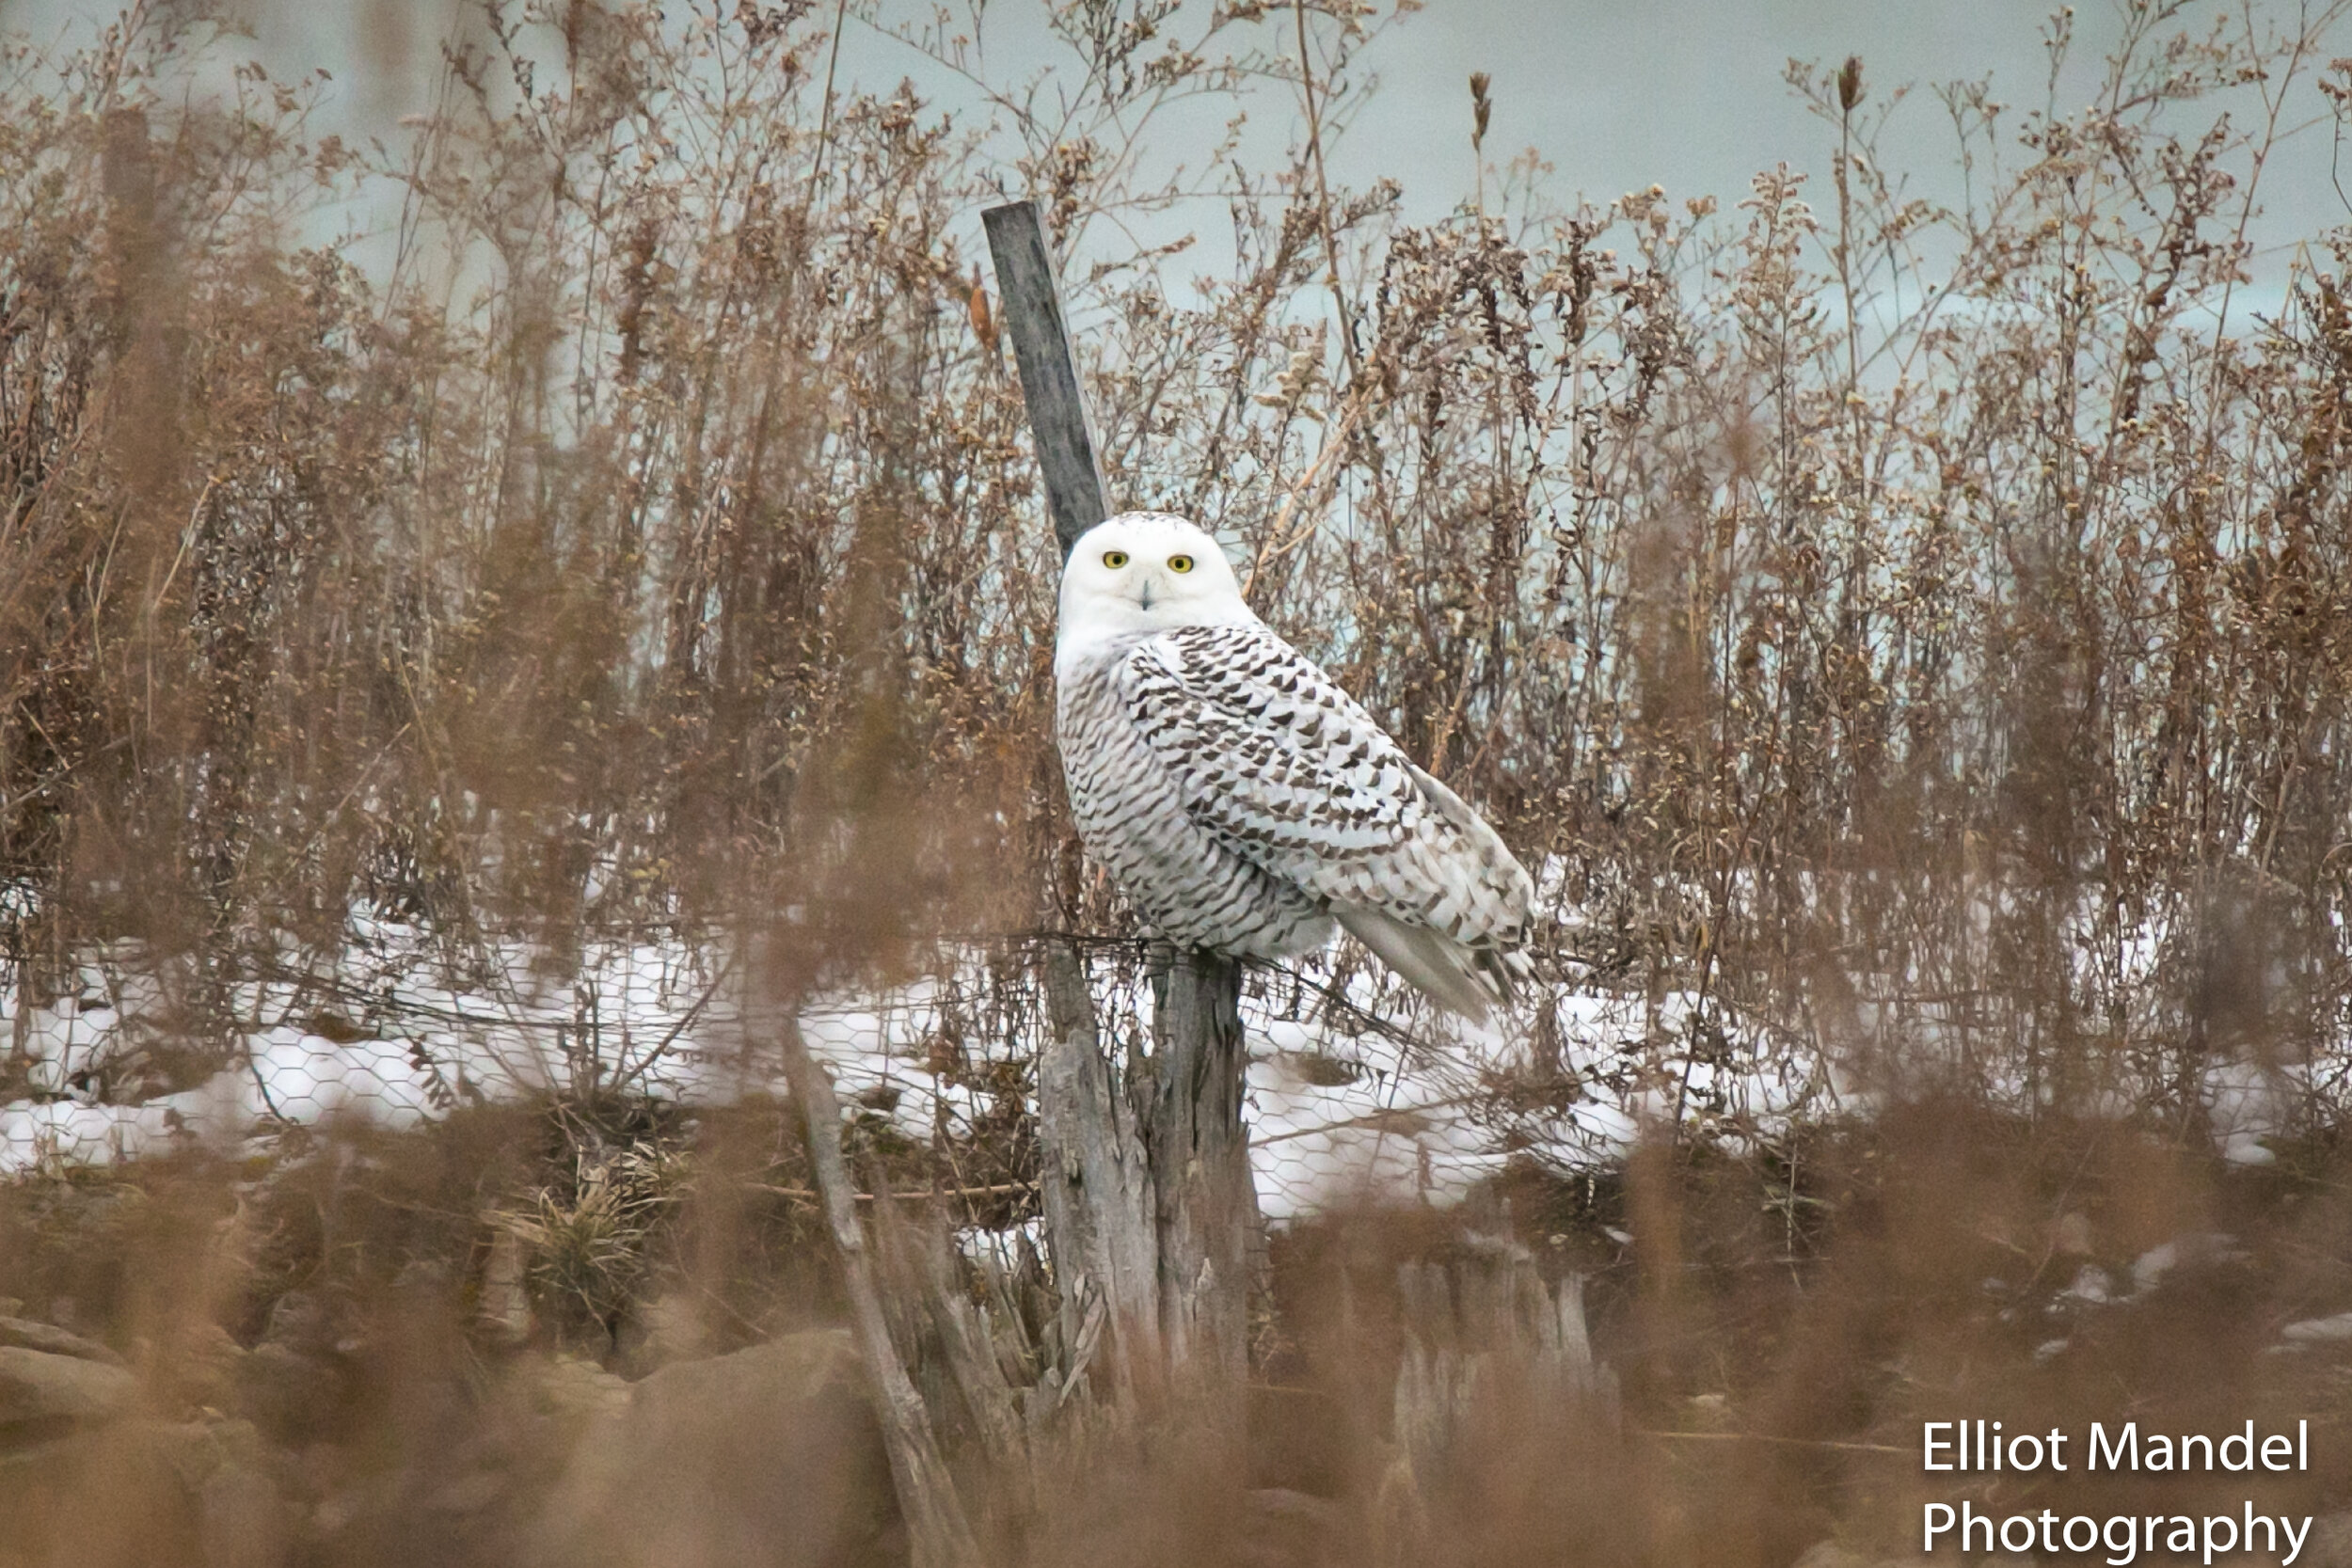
(1203, 1207)
(1067, 455)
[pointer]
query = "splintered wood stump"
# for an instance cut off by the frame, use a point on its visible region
(1095, 1181)
(1199, 1150)
(939, 1533)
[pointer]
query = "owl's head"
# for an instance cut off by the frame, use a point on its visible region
(1145, 572)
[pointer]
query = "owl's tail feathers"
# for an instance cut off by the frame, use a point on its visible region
(1469, 980)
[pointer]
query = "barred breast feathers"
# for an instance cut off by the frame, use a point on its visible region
(1212, 764)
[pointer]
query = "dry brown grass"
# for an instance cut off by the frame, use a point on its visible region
(1917, 631)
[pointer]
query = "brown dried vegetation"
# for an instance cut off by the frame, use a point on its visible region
(1922, 632)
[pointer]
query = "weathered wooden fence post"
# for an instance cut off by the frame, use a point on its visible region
(1066, 452)
(1201, 1206)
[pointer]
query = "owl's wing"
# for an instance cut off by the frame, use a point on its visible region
(1292, 775)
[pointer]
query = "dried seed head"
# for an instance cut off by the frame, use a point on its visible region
(1481, 108)
(1849, 83)
(983, 325)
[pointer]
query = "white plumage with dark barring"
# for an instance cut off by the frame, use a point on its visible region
(1242, 800)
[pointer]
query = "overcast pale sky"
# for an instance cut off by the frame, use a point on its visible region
(1683, 93)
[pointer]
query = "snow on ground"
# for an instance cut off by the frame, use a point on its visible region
(1342, 1104)
(1339, 1105)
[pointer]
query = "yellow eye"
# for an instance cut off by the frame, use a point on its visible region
(1114, 558)
(1180, 563)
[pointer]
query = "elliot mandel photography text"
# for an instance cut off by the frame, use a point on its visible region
(1981, 1446)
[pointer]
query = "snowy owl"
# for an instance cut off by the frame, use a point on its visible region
(1241, 800)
